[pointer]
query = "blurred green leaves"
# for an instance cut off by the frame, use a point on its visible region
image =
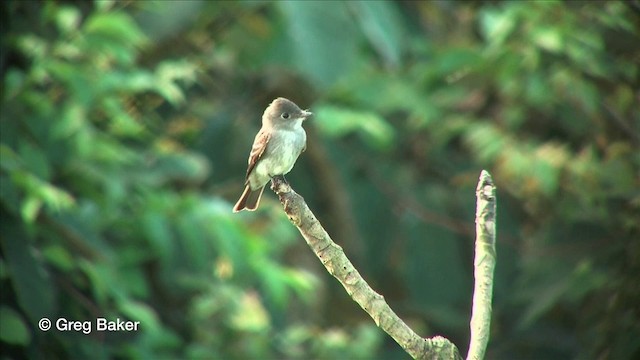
(312, 31)
(102, 213)
(13, 329)
(381, 24)
(338, 121)
(29, 278)
(113, 34)
(299, 341)
(123, 141)
(312, 39)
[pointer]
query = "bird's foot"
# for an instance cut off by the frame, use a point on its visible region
(277, 181)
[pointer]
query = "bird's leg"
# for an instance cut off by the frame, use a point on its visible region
(278, 180)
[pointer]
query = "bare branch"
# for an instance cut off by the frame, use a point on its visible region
(484, 265)
(338, 265)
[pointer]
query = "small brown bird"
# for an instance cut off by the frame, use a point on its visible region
(275, 149)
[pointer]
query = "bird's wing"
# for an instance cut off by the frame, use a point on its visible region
(259, 146)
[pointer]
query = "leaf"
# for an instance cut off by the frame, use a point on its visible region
(338, 121)
(52, 196)
(13, 329)
(454, 62)
(9, 160)
(548, 38)
(190, 233)
(122, 122)
(10, 195)
(67, 18)
(117, 26)
(72, 120)
(184, 166)
(486, 142)
(313, 39)
(546, 175)
(113, 35)
(59, 257)
(537, 91)
(33, 286)
(30, 209)
(250, 314)
(13, 82)
(98, 280)
(496, 25)
(33, 46)
(302, 282)
(273, 278)
(167, 77)
(158, 232)
(137, 311)
(550, 159)
(35, 160)
(104, 5)
(382, 25)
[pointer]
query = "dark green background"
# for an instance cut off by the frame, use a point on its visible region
(124, 136)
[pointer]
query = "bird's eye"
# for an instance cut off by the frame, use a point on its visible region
(285, 115)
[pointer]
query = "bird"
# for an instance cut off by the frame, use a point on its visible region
(275, 149)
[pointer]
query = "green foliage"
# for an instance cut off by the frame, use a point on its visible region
(337, 121)
(13, 329)
(123, 141)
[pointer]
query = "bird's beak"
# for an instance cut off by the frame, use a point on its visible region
(306, 113)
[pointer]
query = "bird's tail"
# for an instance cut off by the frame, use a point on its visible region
(249, 199)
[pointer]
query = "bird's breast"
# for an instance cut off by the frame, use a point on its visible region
(282, 151)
